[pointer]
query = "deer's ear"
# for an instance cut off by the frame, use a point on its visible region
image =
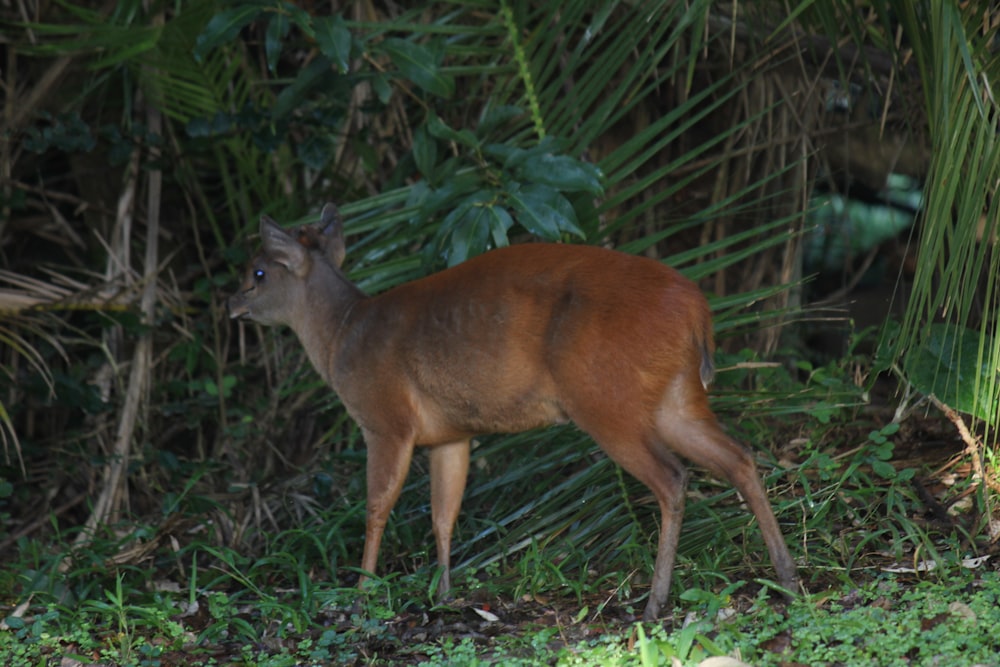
(281, 247)
(332, 227)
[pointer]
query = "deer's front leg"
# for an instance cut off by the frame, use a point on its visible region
(449, 471)
(388, 463)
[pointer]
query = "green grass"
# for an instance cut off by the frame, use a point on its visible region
(560, 551)
(887, 621)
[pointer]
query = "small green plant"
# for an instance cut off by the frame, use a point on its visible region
(129, 624)
(541, 571)
(120, 633)
(488, 580)
(886, 623)
(881, 448)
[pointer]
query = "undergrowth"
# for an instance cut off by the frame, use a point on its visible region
(233, 534)
(529, 590)
(889, 620)
(563, 588)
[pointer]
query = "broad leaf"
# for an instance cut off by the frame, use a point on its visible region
(494, 117)
(292, 97)
(223, 27)
(334, 40)
(949, 366)
(500, 222)
(424, 151)
(453, 188)
(562, 172)
(316, 151)
(506, 154)
(467, 236)
(476, 221)
(277, 30)
(440, 129)
(543, 211)
(417, 63)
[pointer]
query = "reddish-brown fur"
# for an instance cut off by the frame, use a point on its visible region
(517, 338)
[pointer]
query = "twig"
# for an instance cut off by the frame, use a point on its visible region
(118, 460)
(109, 502)
(973, 445)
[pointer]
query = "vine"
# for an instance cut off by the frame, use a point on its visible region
(523, 70)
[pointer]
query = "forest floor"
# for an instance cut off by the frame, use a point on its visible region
(934, 614)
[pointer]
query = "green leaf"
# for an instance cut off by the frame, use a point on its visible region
(14, 622)
(562, 172)
(441, 130)
(334, 40)
(223, 27)
(469, 228)
(292, 97)
(418, 63)
(277, 30)
(506, 154)
(948, 366)
(443, 197)
(299, 17)
(890, 429)
(316, 151)
(380, 84)
(468, 237)
(883, 469)
(500, 222)
(415, 199)
(483, 212)
(494, 117)
(543, 211)
(67, 132)
(424, 151)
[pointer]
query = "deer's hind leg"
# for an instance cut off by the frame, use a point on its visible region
(703, 442)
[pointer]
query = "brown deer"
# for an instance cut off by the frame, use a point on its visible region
(516, 338)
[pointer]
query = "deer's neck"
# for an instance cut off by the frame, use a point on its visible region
(324, 318)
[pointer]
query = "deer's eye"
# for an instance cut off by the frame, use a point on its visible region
(258, 275)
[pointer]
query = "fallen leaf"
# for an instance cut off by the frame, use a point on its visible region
(486, 615)
(722, 661)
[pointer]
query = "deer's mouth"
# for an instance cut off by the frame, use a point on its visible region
(237, 308)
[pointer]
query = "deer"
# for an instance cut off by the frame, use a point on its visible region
(517, 338)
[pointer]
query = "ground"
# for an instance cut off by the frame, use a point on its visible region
(849, 598)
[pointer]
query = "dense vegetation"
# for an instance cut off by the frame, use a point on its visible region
(175, 483)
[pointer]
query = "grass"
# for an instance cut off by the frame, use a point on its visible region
(538, 607)
(890, 620)
(553, 562)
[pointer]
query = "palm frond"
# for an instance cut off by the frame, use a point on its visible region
(957, 277)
